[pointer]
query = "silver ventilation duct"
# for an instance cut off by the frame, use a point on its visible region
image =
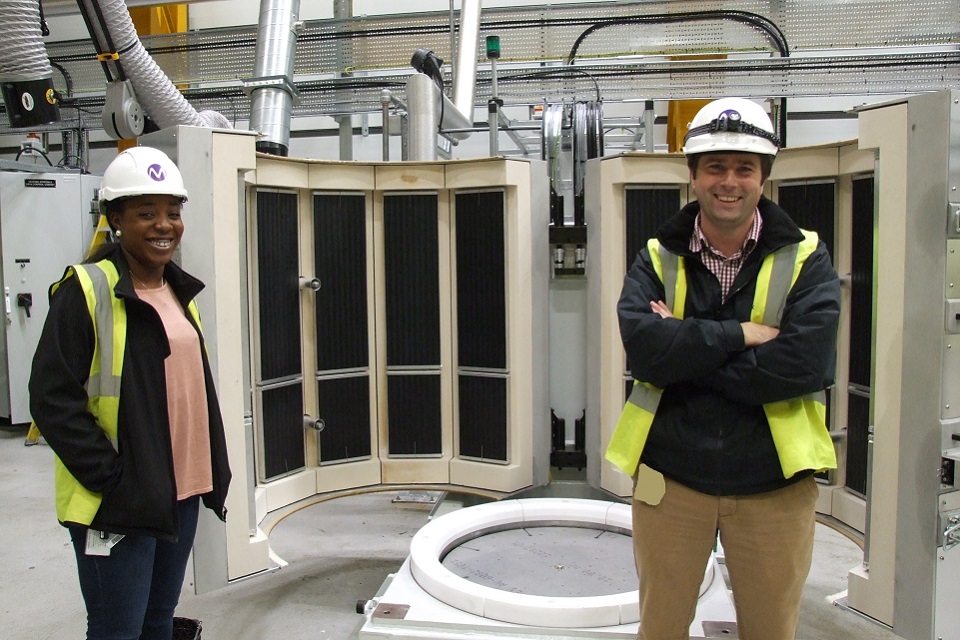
(465, 79)
(271, 89)
(159, 97)
(430, 110)
(26, 76)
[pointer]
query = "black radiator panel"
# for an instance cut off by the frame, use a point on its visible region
(413, 405)
(861, 333)
(812, 207)
(345, 410)
(858, 422)
(282, 428)
(340, 259)
(481, 288)
(411, 257)
(483, 417)
(861, 283)
(646, 209)
(278, 285)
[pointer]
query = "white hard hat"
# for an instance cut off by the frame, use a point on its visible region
(141, 171)
(731, 124)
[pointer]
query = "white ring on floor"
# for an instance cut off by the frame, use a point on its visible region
(434, 540)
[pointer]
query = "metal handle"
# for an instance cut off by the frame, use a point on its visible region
(309, 422)
(310, 283)
(951, 535)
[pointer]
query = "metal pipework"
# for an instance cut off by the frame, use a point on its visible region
(424, 101)
(311, 422)
(465, 80)
(313, 284)
(271, 88)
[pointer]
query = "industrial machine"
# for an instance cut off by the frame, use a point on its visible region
(912, 557)
(45, 225)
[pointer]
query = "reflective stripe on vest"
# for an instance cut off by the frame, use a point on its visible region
(797, 425)
(75, 503)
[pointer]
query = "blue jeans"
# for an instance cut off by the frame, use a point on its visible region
(131, 594)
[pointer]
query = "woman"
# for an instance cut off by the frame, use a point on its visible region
(122, 391)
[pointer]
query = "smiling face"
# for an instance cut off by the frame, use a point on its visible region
(728, 187)
(151, 229)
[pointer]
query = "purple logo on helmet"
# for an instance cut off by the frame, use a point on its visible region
(156, 173)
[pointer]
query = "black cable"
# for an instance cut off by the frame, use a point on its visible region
(32, 150)
(66, 77)
(754, 19)
(566, 71)
(44, 27)
(747, 17)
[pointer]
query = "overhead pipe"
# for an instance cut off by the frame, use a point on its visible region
(159, 97)
(465, 78)
(271, 89)
(26, 76)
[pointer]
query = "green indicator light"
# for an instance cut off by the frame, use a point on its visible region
(493, 46)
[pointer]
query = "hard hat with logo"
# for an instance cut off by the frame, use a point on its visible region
(731, 124)
(141, 171)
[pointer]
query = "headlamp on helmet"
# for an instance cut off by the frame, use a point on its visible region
(731, 124)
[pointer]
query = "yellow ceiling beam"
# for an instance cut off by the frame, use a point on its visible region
(681, 112)
(168, 18)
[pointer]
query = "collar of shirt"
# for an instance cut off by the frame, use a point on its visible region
(725, 268)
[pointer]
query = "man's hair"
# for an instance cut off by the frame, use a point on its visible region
(766, 163)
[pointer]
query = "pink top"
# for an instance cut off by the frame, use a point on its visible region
(186, 396)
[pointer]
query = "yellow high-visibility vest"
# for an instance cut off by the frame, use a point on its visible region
(798, 425)
(108, 313)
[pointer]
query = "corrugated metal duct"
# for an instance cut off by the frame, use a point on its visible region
(271, 89)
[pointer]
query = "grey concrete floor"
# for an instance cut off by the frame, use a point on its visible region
(338, 553)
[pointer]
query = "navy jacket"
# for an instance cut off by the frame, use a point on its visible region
(710, 432)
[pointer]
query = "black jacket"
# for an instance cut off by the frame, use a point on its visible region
(710, 432)
(137, 482)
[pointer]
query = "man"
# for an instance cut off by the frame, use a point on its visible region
(729, 322)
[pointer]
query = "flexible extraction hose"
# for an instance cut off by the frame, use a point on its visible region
(24, 66)
(160, 99)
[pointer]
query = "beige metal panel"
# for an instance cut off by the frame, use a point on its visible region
(853, 159)
(527, 312)
(483, 475)
(842, 263)
(409, 177)
(308, 319)
(952, 281)
(481, 173)
(418, 470)
(849, 509)
(289, 489)
(273, 171)
(338, 477)
(605, 213)
(655, 168)
(886, 129)
(950, 375)
(405, 469)
(230, 156)
(801, 163)
(341, 176)
(525, 221)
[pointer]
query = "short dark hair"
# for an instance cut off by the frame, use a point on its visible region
(766, 163)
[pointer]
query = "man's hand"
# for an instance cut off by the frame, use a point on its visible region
(661, 309)
(756, 334)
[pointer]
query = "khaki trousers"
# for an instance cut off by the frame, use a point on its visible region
(768, 544)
